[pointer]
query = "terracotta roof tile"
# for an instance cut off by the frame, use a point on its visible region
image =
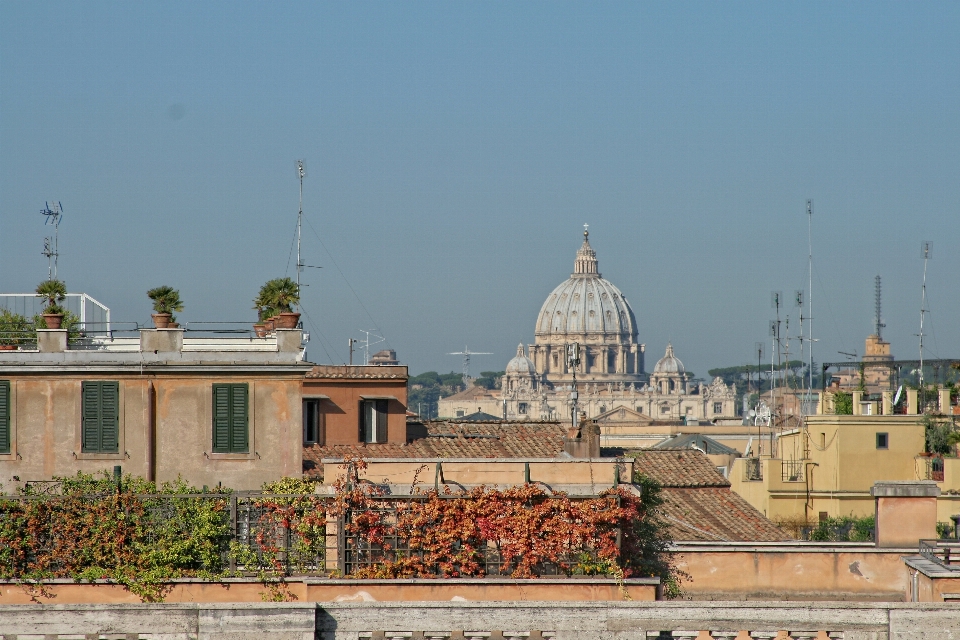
(715, 514)
(679, 468)
(455, 440)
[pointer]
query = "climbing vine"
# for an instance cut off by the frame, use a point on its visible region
(144, 535)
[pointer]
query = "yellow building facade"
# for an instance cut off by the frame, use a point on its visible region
(828, 467)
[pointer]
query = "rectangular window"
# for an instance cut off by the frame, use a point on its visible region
(373, 421)
(639, 409)
(718, 407)
(100, 409)
(312, 422)
(230, 418)
(883, 441)
(460, 413)
(522, 408)
(4, 416)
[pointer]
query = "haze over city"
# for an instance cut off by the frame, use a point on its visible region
(454, 151)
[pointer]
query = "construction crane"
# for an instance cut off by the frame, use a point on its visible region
(466, 353)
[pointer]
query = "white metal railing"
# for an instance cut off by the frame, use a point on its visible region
(94, 316)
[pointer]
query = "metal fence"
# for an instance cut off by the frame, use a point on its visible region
(255, 532)
(90, 312)
(945, 553)
(358, 553)
(791, 470)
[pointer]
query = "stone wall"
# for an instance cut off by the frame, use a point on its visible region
(498, 621)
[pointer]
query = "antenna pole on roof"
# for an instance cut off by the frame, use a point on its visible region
(926, 247)
(51, 245)
(301, 172)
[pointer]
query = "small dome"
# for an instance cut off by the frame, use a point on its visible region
(521, 363)
(669, 363)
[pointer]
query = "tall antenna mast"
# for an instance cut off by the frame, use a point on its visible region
(927, 248)
(878, 319)
(810, 291)
(466, 353)
(301, 171)
(53, 211)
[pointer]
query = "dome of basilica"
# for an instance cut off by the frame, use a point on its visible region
(669, 363)
(586, 304)
(521, 363)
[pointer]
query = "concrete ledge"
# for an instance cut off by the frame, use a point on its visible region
(561, 620)
(905, 489)
(194, 590)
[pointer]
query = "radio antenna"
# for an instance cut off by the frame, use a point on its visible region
(301, 171)
(53, 212)
(926, 247)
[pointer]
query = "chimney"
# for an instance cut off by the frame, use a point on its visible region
(906, 512)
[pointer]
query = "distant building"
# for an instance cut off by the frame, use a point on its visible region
(591, 311)
(159, 403)
(385, 358)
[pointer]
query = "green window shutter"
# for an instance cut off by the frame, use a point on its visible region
(90, 418)
(4, 416)
(221, 418)
(110, 417)
(362, 413)
(238, 418)
(381, 409)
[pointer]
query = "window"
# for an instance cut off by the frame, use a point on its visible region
(373, 421)
(100, 423)
(460, 413)
(312, 422)
(522, 408)
(639, 409)
(556, 360)
(718, 407)
(4, 416)
(230, 418)
(883, 441)
(664, 408)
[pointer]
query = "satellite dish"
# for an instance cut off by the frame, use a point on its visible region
(896, 398)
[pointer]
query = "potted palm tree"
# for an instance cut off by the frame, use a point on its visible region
(280, 295)
(166, 300)
(55, 292)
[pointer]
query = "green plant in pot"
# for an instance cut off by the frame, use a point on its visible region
(166, 300)
(55, 292)
(280, 295)
(265, 313)
(14, 330)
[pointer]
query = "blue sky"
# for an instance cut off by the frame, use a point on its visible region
(454, 151)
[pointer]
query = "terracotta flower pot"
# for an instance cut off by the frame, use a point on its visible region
(270, 324)
(53, 320)
(287, 320)
(161, 320)
(260, 329)
(8, 347)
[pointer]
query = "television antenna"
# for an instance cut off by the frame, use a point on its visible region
(301, 172)
(926, 248)
(466, 353)
(366, 344)
(53, 212)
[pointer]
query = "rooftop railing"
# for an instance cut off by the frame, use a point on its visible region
(945, 553)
